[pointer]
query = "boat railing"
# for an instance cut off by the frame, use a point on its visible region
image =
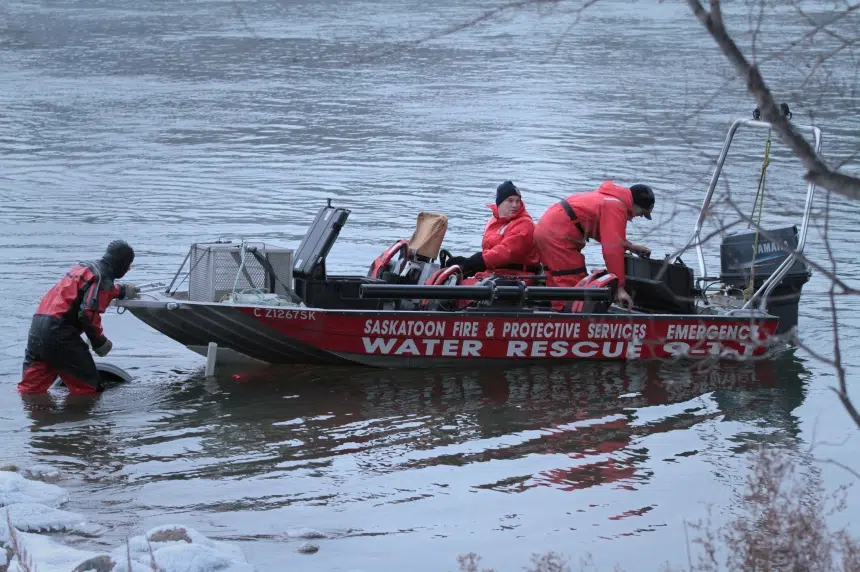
(490, 292)
(761, 295)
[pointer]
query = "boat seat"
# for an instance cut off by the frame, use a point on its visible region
(599, 278)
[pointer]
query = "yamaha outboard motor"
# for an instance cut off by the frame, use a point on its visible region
(736, 261)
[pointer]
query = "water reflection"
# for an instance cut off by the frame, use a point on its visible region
(67, 433)
(581, 426)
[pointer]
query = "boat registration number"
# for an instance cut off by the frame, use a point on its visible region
(282, 314)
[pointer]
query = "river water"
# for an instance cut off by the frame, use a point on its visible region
(166, 122)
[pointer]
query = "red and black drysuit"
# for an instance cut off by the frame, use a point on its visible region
(564, 229)
(72, 307)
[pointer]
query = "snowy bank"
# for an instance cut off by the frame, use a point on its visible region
(32, 508)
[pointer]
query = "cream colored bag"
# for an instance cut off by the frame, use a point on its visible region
(429, 234)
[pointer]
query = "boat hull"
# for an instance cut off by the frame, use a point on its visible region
(402, 339)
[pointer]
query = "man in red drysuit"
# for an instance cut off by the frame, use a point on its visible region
(72, 307)
(602, 215)
(508, 244)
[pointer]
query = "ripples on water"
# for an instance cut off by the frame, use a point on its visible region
(338, 451)
(167, 123)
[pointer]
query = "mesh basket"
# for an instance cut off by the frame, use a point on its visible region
(215, 270)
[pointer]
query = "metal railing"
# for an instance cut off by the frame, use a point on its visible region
(774, 279)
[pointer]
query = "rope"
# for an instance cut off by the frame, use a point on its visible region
(749, 290)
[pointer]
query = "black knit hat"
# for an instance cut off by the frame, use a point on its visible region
(119, 256)
(505, 190)
(643, 197)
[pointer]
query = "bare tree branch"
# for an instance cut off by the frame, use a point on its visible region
(842, 392)
(241, 14)
(757, 29)
(578, 13)
(460, 27)
(817, 170)
(826, 27)
(841, 466)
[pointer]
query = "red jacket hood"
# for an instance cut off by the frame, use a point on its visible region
(623, 194)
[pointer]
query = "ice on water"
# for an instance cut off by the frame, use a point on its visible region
(33, 509)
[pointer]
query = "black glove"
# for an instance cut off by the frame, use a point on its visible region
(454, 261)
(104, 348)
(474, 263)
(128, 291)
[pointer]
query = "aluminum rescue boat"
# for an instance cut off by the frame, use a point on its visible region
(278, 305)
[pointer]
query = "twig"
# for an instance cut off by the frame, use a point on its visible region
(152, 562)
(817, 170)
(757, 29)
(837, 353)
(578, 13)
(25, 561)
(687, 542)
(841, 466)
(489, 14)
(825, 27)
(241, 16)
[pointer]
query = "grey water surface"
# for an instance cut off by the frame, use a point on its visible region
(166, 122)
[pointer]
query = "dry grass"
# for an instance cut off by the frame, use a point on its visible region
(25, 561)
(781, 524)
(549, 562)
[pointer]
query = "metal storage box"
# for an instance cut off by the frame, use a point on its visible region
(214, 268)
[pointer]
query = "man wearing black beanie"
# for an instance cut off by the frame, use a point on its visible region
(601, 215)
(508, 243)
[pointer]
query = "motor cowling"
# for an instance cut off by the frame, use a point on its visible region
(737, 257)
(745, 259)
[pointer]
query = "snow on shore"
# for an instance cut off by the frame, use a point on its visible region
(33, 509)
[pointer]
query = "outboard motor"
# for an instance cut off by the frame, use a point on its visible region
(737, 259)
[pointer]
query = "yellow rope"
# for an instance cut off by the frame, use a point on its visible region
(748, 292)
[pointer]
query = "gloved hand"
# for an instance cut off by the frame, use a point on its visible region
(640, 250)
(103, 349)
(128, 291)
(454, 261)
(624, 299)
(474, 263)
